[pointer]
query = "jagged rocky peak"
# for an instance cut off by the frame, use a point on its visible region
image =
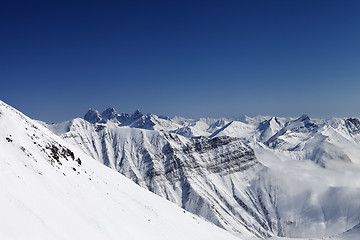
(353, 125)
(137, 114)
(127, 119)
(92, 116)
(109, 113)
(123, 118)
(144, 122)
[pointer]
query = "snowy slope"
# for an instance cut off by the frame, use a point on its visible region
(236, 129)
(351, 234)
(268, 177)
(185, 171)
(51, 190)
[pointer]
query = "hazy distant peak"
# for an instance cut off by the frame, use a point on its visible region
(164, 117)
(303, 118)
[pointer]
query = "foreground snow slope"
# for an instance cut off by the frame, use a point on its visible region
(51, 190)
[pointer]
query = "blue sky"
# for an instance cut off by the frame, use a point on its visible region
(188, 58)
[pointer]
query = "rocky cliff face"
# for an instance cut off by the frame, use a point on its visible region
(172, 166)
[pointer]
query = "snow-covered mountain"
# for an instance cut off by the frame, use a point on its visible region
(261, 177)
(175, 167)
(49, 189)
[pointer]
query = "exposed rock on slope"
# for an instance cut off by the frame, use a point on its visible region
(170, 165)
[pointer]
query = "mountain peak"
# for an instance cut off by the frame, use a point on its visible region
(109, 113)
(92, 116)
(137, 114)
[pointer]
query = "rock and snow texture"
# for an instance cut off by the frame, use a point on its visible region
(180, 169)
(262, 176)
(49, 189)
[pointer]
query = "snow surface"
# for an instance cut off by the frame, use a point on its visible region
(305, 184)
(47, 193)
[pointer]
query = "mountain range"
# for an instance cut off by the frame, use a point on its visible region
(260, 177)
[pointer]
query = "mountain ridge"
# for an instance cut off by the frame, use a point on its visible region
(237, 200)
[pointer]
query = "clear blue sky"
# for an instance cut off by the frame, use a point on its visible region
(189, 58)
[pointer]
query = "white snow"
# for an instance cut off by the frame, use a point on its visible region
(306, 185)
(40, 200)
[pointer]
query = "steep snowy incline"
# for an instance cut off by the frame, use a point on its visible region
(51, 190)
(185, 171)
(236, 129)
